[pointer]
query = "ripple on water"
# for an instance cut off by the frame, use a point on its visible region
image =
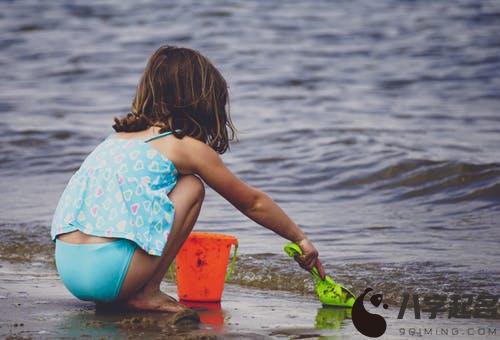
(372, 123)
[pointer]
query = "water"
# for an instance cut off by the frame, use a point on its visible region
(375, 125)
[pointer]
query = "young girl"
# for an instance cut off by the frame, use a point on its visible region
(130, 206)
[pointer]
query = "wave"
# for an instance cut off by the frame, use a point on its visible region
(457, 181)
(277, 272)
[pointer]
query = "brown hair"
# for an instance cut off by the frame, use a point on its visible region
(183, 92)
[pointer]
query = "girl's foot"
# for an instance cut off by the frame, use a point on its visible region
(154, 301)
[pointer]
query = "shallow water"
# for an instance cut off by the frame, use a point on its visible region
(375, 125)
(35, 305)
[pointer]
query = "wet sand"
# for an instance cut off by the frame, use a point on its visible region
(34, 304)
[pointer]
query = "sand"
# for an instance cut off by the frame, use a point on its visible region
(35, 304)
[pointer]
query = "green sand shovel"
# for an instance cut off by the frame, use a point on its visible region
(329, 292)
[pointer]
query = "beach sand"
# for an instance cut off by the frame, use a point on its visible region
(35, 304)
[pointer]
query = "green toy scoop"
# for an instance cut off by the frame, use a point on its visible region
(329, 292)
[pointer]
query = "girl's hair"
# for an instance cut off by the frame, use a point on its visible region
(183, 92)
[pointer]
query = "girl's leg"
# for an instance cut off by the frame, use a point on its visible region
(141, 287)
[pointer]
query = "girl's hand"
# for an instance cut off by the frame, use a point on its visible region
(309, 258)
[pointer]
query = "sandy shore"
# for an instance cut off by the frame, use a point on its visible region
(34, 304)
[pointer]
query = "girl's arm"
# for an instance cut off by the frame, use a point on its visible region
(255, 204)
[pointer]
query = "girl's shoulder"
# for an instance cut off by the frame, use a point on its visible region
(187, 153)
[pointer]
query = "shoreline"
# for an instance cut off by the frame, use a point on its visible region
(35, 305)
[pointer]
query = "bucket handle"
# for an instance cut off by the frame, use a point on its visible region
(231, 265)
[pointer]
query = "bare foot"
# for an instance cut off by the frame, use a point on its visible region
(154, 301)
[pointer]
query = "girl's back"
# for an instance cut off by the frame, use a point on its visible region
(120, 190)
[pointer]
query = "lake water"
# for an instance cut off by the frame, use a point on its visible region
(374, 124)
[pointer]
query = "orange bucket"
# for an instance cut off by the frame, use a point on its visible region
(201, 266)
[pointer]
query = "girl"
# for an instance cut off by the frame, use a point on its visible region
(130, 206)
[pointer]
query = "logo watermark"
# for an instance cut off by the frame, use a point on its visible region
(369, 324)
(447, 331)
(465, 306)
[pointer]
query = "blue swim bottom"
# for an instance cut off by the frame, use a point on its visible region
(94, 272)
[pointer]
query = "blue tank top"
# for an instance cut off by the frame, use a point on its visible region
(120, 190)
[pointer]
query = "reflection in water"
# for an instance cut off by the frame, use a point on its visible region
(95, 326)
(113, 322)
(327, 318)
(210, 313)
(331, 317)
